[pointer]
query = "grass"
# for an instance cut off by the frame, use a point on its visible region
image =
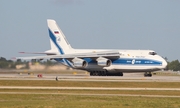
(75, 101)
(132, 92)
(26, 98)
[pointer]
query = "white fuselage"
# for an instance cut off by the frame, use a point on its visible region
(129, 61)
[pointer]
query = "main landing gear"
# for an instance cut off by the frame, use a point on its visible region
(147, 74)
(105, 73)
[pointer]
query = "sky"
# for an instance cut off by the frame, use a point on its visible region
(94, 24)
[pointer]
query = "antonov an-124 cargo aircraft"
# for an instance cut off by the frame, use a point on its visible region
(99, 62)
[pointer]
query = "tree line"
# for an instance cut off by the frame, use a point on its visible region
(10, 64)
(173, 65)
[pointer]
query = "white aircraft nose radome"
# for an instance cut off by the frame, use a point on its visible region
(164, 64)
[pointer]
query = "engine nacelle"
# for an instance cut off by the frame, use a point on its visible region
(103, 62)
(80, 63)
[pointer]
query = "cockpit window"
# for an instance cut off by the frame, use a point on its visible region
(152, 53)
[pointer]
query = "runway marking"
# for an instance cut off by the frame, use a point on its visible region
(85, 88)
(88, 94)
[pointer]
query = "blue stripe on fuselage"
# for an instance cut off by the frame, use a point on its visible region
(128, 61)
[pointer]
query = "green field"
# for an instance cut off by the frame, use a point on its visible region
(75, 101)
(50, 98)
(94, 92)
(88, 84)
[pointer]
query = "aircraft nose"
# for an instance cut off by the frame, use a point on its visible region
(164, 63)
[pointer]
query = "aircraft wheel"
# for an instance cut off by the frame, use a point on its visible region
(104, 74)
(100, 73)
(96, 74)
(91, 73)
(147, 74)
(120, 74)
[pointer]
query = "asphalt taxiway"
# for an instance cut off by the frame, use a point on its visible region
(128, 77)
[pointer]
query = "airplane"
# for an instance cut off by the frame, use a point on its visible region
(99, 62)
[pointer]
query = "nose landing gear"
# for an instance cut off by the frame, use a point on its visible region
(147, 74)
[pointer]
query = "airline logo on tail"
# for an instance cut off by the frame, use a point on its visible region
(58, 39)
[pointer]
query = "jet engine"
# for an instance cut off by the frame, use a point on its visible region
(101, 61)
(80, 63)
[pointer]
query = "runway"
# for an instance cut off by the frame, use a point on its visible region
(128, 77)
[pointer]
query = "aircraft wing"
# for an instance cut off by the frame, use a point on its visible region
(94, 55)
(47, 53)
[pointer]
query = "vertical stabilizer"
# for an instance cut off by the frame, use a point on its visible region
(53, 46)
(57, 38)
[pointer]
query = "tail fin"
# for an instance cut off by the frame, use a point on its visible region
(53, 46)
(57, 38)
